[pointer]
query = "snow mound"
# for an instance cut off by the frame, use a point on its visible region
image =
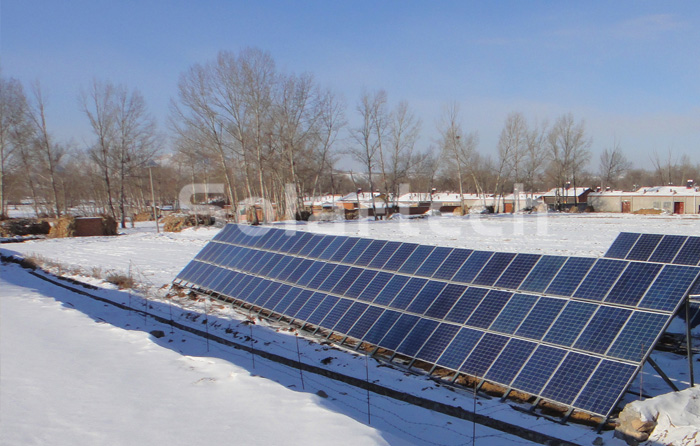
(677, 417)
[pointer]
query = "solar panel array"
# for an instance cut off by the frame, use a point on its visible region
(571, 330)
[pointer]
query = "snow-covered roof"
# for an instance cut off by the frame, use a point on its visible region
(564, 192)
(363, 196)
(660, 191)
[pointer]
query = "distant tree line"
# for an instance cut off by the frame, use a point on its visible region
(273, 138)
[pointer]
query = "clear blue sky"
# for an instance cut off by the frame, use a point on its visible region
(630, 69)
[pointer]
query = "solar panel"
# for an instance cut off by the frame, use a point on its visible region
(622, 245)
(689, 254)
(644, 247)
(572, 330)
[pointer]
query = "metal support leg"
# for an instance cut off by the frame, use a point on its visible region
(662, 374)
(689, 342)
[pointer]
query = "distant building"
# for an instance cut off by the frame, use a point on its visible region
(670, 199)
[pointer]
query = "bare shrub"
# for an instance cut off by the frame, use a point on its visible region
(122, 281)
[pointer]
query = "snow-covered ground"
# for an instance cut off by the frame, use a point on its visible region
(68, 380)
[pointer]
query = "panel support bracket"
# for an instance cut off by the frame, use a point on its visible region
(689, 342)
(662, 374)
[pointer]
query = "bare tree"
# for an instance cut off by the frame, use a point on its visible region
(369, 135)
(664, 168)
(511, 145)
(402, 157)
(332, 120)
(458, 149)
(535, 156)
(135, 143)
(14, 130)
(568, 151)
(48, 153)
(612, 165)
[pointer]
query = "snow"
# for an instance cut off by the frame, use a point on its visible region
(76, 372)
(677, 416)
(68, 379)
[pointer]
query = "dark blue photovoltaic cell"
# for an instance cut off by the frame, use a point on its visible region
(472, 266)
(252, 260)
(465, 306)
(437, 342)
(644, 247)
(605, 387)
(259, 291)
(416, 259)
(369, 253)
(261, 262)
(332, 248)
(295, 264)
(290, 242)
(689, 253)
(600, 279)
(365, 322)
(357, 250)
(400, 256)
(383, 324)
(347, 280)
(542, 274)
(311, 272)
(310, 245)
(352, 316)
(281, 241)
(384, 255)
(514, 313)
(286, 300)
(321, 245)
(360, 283)
(375, 286)
(322, 275)
(399, 331)
(343, 249)
(633, 283)
(538, 369)
(426, 297)
(510, 361)
(274, 238)
(570, 276)
(570, 378)
(669, 287)
(518, 269)
(484, 354)
(390, 291)
(570, 322)
(417, 337)
(668, 248)
(310, 306)
(273, 261)
(489, 309)
(301, 299)
(602, 329)
(459, 348)
(452, 263)
(302, 240)
(638, 335)
(433, 262)
(445, 300)
(277, 270)
(263, 237)
(540, 318)
(322, 310)
(336, 313)
(622, 245)
(494, 268)
(333, 278)
(406, 295)
(275, 297)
